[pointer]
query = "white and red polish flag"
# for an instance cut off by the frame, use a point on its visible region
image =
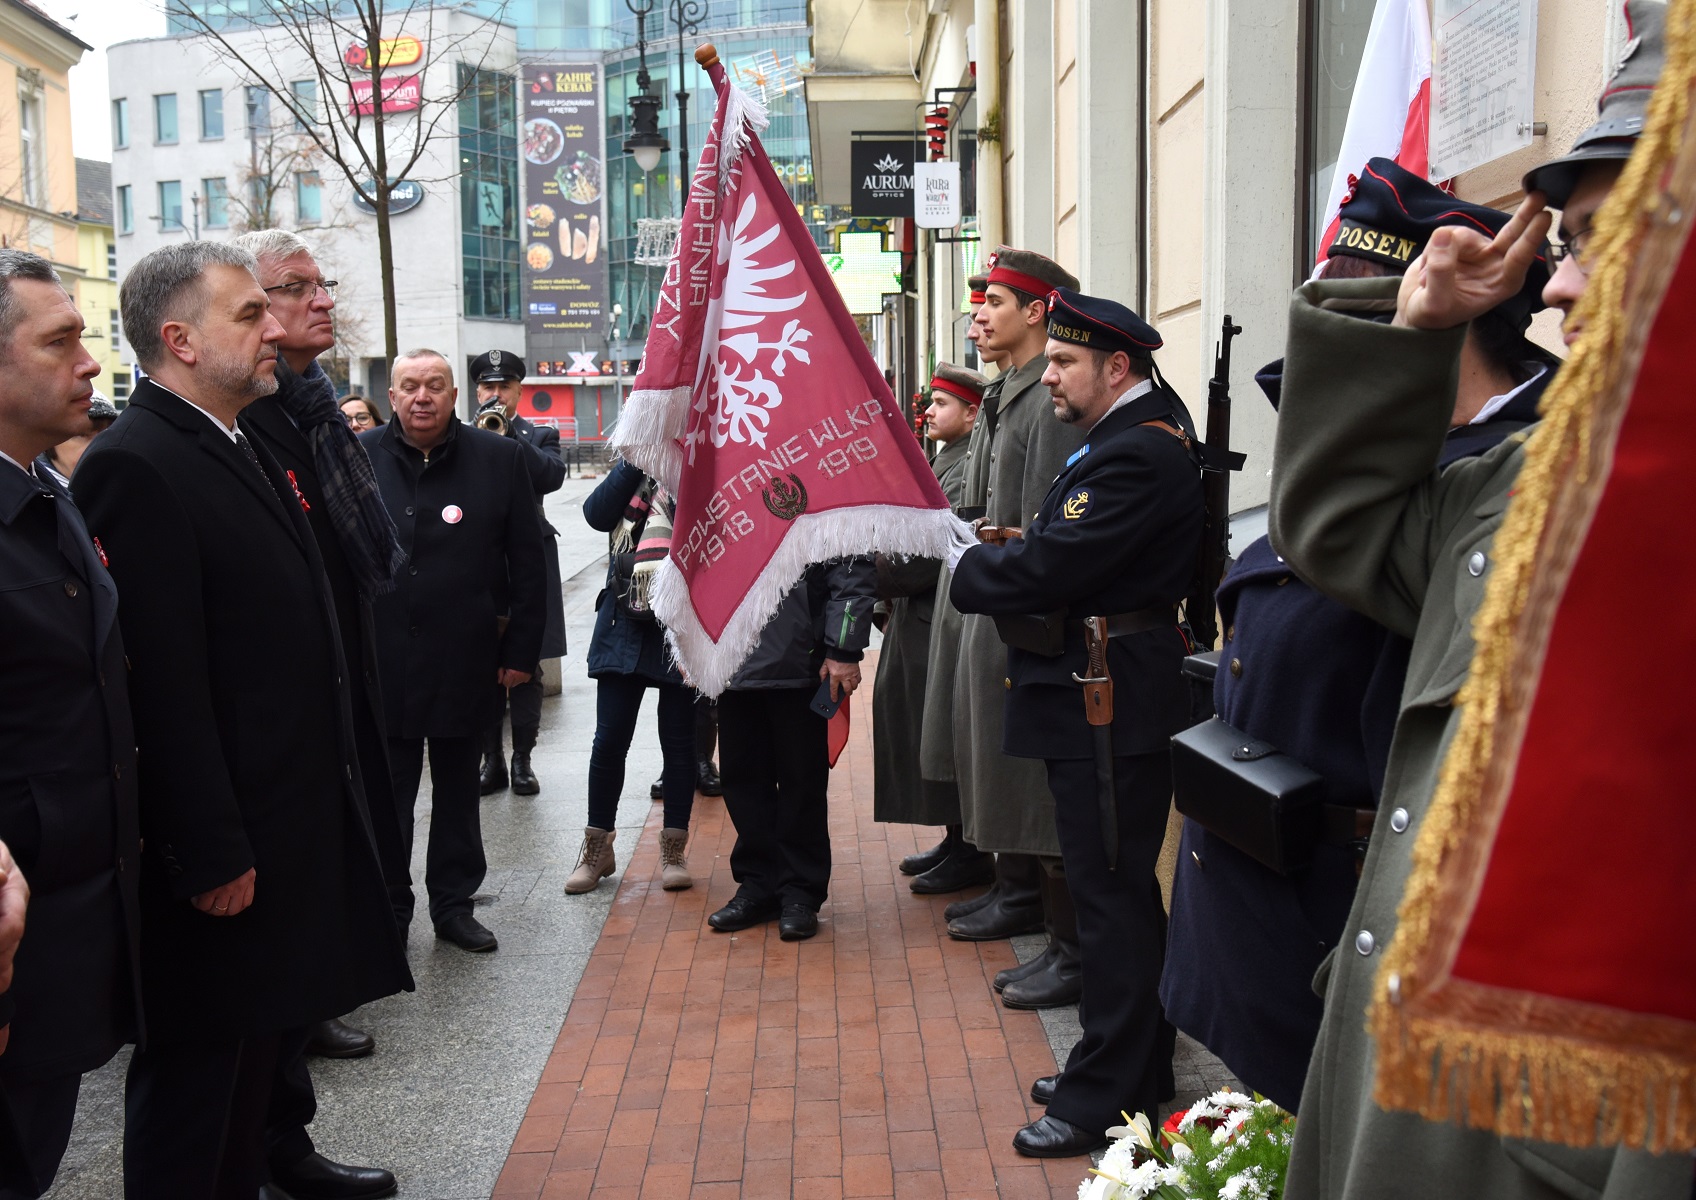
(1390, 111)
(758, 406)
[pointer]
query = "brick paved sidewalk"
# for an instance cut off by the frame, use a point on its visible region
(873, 1060)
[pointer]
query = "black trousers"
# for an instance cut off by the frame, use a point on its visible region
(292, 1106)
(40, 1112)
(454, 865)
(526, 702)
(1123, 1062)
(194, 1120)
(774, 758)
(618, 704)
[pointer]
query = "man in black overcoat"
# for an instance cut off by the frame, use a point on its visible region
(302, 426)
(1116, 537)
(500, 381)
(466, 618)
(67, 747)
(262, 899)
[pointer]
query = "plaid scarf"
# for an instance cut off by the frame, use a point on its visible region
(646, 529)
(363, 528)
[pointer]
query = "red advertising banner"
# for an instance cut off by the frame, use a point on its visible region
(401, 93)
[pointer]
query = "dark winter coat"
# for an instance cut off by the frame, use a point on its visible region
(622, 645)
(1323, 684)
(827, 614)
(466, 515)
(245, 734)
(546, 465)
(67, 790)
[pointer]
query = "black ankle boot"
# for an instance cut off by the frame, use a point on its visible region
(1016, 909)
(924, 860)
(524, 781)
(1060, 980)
(492, 777)
(965, 866)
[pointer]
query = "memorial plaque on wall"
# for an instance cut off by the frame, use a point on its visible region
(883, 177)
(1483, 77)
(561, 143)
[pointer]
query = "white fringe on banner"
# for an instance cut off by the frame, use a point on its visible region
(709, 666)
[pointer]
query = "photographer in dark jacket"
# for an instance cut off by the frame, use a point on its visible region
(500, 383)
(468, 614)
(303, 427)
(774, 752)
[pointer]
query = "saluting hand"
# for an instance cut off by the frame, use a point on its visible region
(228, 900)
(1463, 274)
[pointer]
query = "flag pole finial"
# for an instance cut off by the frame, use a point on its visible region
(706, 55)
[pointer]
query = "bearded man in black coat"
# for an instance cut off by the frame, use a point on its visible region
(262, 899)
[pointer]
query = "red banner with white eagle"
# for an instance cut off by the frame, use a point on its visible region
(759, 408)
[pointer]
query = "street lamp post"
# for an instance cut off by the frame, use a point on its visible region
(646, 143)
(686, 15)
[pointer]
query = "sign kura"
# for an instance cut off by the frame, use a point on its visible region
(400, 93)
(391, 52)
(883, 177)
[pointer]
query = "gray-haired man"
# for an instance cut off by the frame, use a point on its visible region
(263, 907)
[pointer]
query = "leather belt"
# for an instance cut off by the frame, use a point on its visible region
(972, 512)
(1340, 824)
(1125, 624)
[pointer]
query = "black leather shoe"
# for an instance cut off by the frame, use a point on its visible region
(492, 777)
(338, 1039)
(998, 921)
(965, 908)
(924, 860)
(798, 923)
(743, 913)
(468, 933)
(1024, 970)
(656, 789)
(1050, 1137)
(1042, 1091)
(707, 781)
(1058, 984)
(524, 781)
(966, 867)
(317, 1178)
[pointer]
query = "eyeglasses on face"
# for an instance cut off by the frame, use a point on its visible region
(1576, 247)
(359, 417)
(305, 289)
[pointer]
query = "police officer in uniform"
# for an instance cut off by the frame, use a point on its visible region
(1114, 541)
(500, 381)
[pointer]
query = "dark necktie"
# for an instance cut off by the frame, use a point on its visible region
(253, 457)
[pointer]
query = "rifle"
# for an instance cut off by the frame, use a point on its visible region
(1218, 460)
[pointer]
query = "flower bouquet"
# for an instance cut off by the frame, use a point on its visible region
(1226, 1147)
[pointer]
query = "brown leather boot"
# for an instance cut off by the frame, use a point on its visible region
(674, 868)
(594, 864)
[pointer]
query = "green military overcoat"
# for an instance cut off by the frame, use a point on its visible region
(898, 701)
(1360, 513)
(1005, 804)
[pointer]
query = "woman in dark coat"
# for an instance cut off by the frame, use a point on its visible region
(627, 656)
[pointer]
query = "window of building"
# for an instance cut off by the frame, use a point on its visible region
(165, 118)
(120, 388)
(308, 197)
(112, 259)
(32, 149)
(212, 113)
(120, 124)
(170, 204)
(217, 194)
(116, 328)
(126, 221)
(1336, 41)
(305, 102)
(258, 111)
(488, 160)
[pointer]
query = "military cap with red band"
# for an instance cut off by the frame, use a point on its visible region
(1100, 324)
(1028, 272)
(977, 284)
(957, 381)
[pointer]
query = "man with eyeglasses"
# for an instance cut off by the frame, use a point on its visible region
(303, 427)
(1358, 512)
